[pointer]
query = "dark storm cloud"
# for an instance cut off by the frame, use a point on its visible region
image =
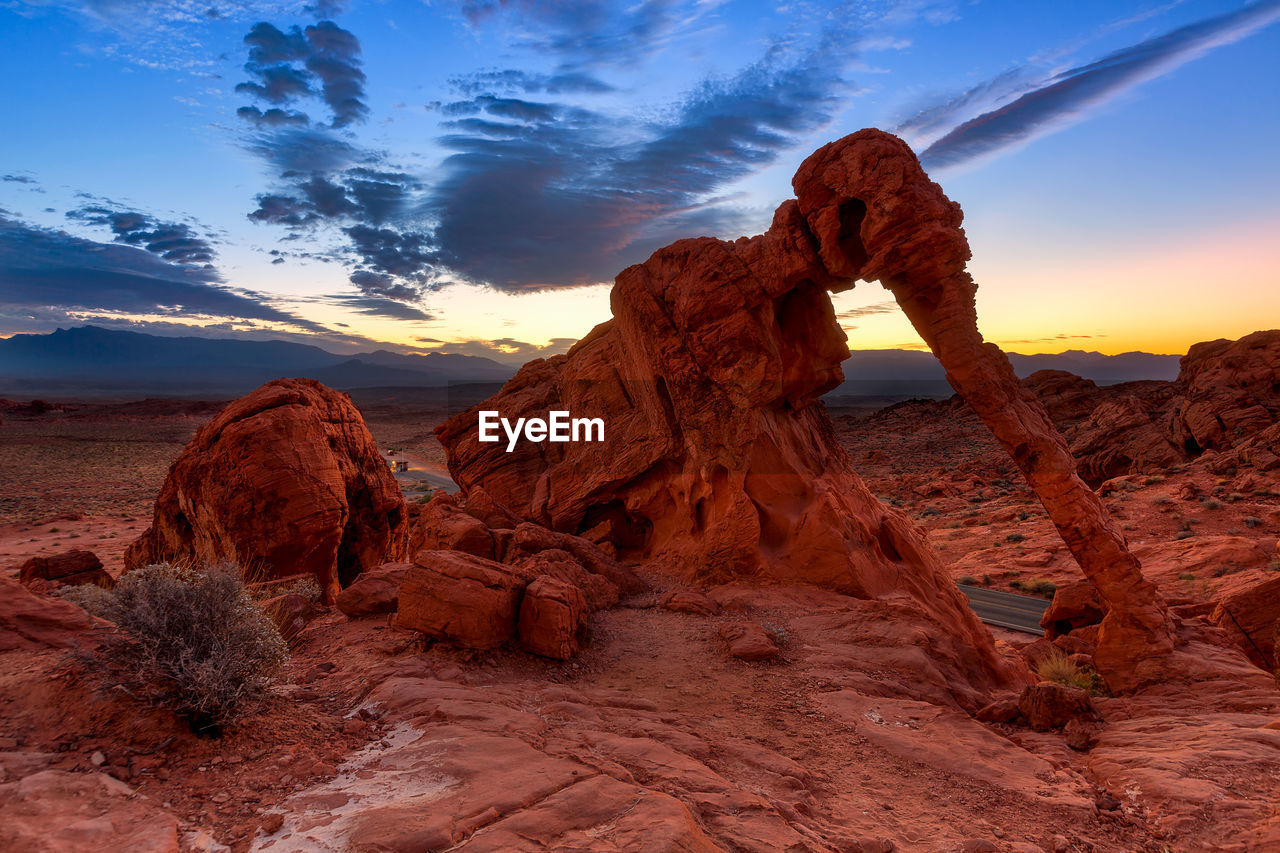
(41, 267)
(172, 241)
(397, 253)
(1066, 96)
(289, 65)
(358, 193)
(373, 306)
(273, 117)
(573, 206)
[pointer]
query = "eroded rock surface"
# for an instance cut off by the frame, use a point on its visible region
(719, 458)
(287, 479)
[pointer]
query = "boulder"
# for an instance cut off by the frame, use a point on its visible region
(1003, 710)
(1074, 605)
(442, 525)
(749, 641)
(460, 598)
(598, 590)
(32, 621)
(553, 618)
(1048, 705)
(70, 568)
(1251, 617)
(1230, 392)
(374, 591)
(529, 539)
(286, 479)
(689, 601)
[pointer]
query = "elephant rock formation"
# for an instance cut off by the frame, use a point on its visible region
(719, 460)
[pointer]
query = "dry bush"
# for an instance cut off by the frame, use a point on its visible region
(188, 639)
(1059, 668)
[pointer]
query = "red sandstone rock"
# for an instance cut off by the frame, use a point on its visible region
(1048, 705)
(553, 618)
(442, 525)
(749, 641)
(1251, 617)
(690, 601)
(1231, 391)
(529, 539)
(1120, 437)
(1074, 605)
(1065, 396)
(467, 600)
(1004, 710)
(32, 621)
(70, 568)
(59, 812)
(597, 590)
(284, 480)
(374, 591)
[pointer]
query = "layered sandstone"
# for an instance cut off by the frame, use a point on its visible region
(286, 480)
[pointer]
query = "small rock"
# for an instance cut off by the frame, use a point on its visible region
(97, 759)
(1000, 711)
(1048, 705)
(749, 641)
(689, 601)
(271, 822)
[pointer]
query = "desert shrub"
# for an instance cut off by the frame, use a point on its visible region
(1252, 521)
(1153, 480)
(191, 640)
(1059, 668)
(1184, 534)
(967, 580)
(1222, 571)
(1040, 587)
(1015, 537)
(1211, 504)
(87, 596)
(986, 580)
(1186, 576)
(1162, 500)
(1015, 584)
(776, 633)
(1274, 566)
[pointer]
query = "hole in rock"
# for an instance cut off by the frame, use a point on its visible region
(852, 212)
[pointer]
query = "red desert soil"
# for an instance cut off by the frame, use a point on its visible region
(762, 756)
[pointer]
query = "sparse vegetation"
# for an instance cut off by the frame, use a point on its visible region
(188, 639)
(967, 580)
(1210, 503)
(1059, 668)
(1252, 521)
(1035, 587)
(1225, 570)
(1154, 480)
(1184, 534)
(776, 633)
(1186, 576)
(1015, 537)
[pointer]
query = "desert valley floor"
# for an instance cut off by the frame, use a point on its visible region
(654, 737)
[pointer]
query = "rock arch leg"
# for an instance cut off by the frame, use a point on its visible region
(910, 240)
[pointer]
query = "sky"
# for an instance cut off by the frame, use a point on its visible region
(469, 176)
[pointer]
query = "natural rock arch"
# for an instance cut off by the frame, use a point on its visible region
(719, 458)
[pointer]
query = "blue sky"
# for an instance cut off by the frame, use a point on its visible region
(469, 176)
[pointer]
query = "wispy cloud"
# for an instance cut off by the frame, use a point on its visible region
(42, 267)
(1069, 96)
(176, 242)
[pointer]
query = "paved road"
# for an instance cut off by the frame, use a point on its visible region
(1005, 609)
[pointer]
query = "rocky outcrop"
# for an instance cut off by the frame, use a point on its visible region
(60, 812)
(284, 480)
(1230, 391)
(70, 568)
(719, 459)
(32, 621)
(374, 591)
(1251, 617)
(461, 598)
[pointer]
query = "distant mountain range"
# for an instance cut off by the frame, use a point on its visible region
(893, 372)
(90, 359)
